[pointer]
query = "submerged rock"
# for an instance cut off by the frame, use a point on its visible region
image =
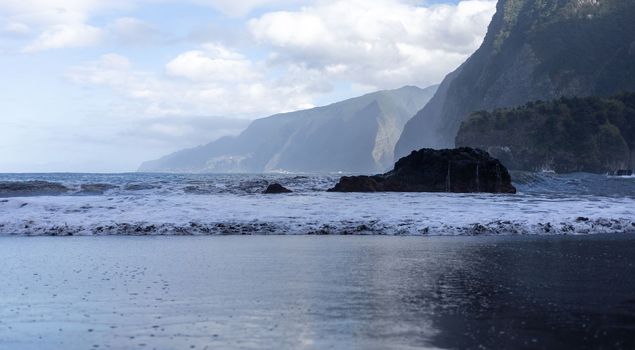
(276, 188)
(461, 170)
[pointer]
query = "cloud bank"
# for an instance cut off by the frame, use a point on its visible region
(369, 44)
(375, 42)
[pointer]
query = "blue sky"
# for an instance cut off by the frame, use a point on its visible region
(102, 85)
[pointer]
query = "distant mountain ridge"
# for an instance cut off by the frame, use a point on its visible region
(533, 50)
(356, 135)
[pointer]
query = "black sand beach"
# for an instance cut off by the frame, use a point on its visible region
(317, 292)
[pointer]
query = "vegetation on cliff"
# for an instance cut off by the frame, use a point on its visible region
(534, 50)
(589, 134)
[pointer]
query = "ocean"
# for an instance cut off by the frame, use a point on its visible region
(170, 204)
(163, 261)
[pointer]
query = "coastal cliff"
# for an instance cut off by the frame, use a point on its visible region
(533, 50)
(355, 135)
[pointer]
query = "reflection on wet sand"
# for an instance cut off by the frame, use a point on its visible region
(570, 293)
(318, 292)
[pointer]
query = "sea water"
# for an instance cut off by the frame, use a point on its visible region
(172, 204)
(549, 267)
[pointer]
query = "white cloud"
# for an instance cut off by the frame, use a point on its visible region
(365, 44)
(324, 32)
(57, 24)
(67, 23)
(116, 72)
(44, 13)
(65, 36)
(16, 29)
(215, 63)
(206, 89)
(243, 7)
(64, 11)
(382, 43)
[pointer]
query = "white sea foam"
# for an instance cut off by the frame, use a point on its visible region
(316, 213)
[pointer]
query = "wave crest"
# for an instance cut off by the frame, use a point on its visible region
(31, 188)
(578, 226)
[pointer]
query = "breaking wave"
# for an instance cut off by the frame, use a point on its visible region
(498, 227)
(155, 204)
(30, 188)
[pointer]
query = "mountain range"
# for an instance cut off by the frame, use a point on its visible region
(357, 135)
(533, 50)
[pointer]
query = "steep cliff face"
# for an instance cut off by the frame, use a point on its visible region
(534, 50)
(566, 135)
(356, 135)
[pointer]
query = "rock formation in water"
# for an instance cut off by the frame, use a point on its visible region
(356, 135)
(462, 170)
(31, 188)
(566, 135)
(533, 50)
(276, 188)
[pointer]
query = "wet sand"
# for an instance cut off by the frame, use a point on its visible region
(293, 292)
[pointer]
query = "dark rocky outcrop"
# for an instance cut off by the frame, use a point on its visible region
(31, 188)
(461, 170)
(276, 188)
(533, 50)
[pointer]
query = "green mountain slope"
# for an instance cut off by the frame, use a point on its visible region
(566, 135)
(534, 50)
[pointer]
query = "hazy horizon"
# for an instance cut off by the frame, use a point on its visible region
(100, 86)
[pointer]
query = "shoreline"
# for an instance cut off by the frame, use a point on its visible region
(294, 292)
(430, 235)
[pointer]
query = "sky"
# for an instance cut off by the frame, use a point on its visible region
(102, 85)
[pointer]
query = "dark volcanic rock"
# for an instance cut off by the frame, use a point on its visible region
(461, 170)
(276, 188)
(30, 188)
